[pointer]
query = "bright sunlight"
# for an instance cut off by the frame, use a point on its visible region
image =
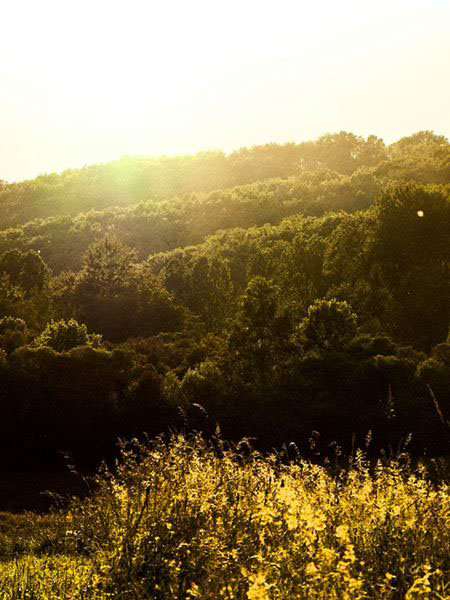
(90, 81)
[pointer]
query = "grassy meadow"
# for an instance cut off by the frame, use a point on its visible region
(185, 518)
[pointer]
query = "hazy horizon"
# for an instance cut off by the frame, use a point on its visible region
(89, 82)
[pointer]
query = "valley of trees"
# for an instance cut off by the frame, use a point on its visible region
(289, 293)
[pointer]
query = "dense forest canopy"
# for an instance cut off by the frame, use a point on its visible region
(277, 290)
(422, 157)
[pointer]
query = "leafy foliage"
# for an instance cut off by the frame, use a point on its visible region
(63, 336)
(282, 289)
(195, 520)
(296, 295)
(330, 325)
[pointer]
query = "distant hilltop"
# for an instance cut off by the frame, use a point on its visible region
(422, 157)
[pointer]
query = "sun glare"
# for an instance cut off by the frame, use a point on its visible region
(90, 81)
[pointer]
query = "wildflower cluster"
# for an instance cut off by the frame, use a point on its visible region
(189, 519)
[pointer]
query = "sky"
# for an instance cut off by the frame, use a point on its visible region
(88, 81)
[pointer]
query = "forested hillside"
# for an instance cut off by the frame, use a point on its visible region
(295, 292)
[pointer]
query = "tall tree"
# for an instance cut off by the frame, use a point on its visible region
(329, 326)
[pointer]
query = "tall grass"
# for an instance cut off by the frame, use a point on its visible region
(189, 519)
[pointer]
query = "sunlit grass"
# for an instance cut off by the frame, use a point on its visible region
(186, 520)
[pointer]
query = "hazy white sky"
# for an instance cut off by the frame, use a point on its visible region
(87, 81)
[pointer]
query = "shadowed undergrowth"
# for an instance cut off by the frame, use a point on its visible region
(190, 519)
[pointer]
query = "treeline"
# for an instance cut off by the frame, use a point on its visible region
(320, 323)
(422, 157)
(288, 319)
(159, 226)
(390, 262)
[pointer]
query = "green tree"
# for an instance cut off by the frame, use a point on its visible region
(24, 279)
(106, 265)
(259, 336)
(423, 157)
(420, 145)
(25, 269)
(13, 333)
(345, 152)
(209, 290)
(409, 253)
(62, 336)
(11, 297)
(126, 299)
(329, 326)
